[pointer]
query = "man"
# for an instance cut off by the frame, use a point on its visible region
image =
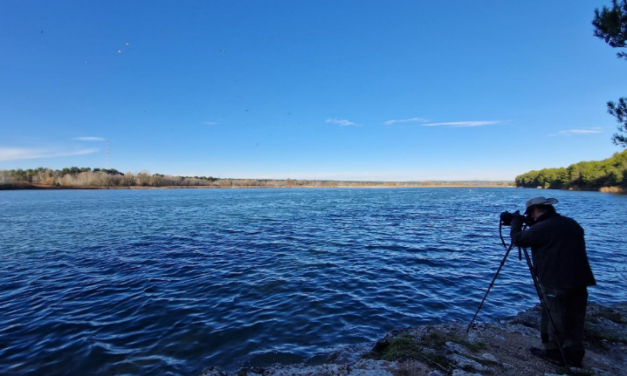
(561, 265)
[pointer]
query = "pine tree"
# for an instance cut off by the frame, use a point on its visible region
(611, 26)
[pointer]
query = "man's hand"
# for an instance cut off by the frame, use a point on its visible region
(517, 220)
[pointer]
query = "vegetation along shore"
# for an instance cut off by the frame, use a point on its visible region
(87, 178)
(608, 175)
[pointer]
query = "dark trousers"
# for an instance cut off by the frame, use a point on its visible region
(568, 310)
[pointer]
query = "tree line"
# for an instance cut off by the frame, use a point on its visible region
(85, 177)
(97, 177)
(592, 175)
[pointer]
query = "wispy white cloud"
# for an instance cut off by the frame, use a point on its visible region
(342, 122)
(89, 139)
(463, 123)
(11, 154)
(580, 131)
(571, 132)
(412, 120)
(210, 123)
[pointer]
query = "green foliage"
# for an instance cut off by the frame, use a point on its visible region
(97, 177)
(437, 340)
(407, 347)
(430, 349)
(611, 25)
(611, 172)
(401, 348)
(546, 178)
(619, 111)
(74, 170)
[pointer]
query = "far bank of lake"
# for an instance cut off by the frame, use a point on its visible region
(357, 186)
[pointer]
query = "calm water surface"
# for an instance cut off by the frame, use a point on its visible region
(168, 282)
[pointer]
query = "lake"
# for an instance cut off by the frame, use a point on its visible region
(168, 282)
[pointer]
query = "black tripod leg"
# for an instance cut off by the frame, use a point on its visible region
(489, 288)
(545, 306)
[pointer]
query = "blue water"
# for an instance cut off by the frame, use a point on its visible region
(167, 282)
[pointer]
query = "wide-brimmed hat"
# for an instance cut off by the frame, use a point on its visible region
(539, 201)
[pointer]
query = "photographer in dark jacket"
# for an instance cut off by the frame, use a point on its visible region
(561, 265)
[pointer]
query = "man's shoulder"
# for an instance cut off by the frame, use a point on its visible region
(562, 220)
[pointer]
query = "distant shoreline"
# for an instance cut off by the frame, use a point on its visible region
(341, 185)
(97, 178)
(48, 187)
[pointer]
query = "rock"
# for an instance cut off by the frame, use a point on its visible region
(529, 318)
(369, 372)
(524, 330)
(371, 364)
(303, 370)
(349, 354)
(490, 357)
(435, 372)
(600, 372)
(456, 348)
(462, 362)
(459, 372)
(472, 336)
(412, 367)
(252, 371)
(213, 371)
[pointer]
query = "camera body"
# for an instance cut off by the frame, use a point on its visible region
(507, 217)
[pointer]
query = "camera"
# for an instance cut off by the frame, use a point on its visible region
(507, 217)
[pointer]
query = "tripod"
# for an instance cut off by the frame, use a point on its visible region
(536, 284)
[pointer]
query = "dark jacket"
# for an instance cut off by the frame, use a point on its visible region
(558, 250)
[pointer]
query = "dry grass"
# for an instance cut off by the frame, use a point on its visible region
(612, 190)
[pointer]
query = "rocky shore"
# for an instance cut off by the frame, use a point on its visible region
(500, 348)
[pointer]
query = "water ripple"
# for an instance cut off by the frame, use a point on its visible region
(168, 282)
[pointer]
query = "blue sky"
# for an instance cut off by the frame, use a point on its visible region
(358, 90)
